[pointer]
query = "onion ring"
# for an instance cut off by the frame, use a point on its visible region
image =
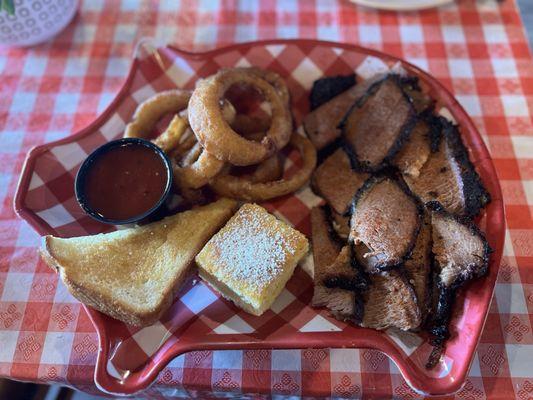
(188, 140)
(245, 124)
(201, 166)
(170, 138)
(215, 134)
(151, 110)
(243, 189)
(198, 168)
(199, 172)
(192, 155)
(269, 170)
(273, 78)
(228, 111)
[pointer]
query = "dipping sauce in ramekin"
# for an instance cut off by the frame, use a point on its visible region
(124, 181)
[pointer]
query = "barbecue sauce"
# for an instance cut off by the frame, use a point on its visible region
(125, 182)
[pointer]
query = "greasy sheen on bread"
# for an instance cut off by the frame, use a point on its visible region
(133, 274)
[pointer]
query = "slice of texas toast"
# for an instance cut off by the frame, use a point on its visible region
(133, 274)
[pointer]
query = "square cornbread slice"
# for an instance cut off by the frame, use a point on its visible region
(251, 258)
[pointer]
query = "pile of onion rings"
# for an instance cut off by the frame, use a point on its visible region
(212, 144)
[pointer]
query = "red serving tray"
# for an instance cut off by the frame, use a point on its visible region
(129, 359)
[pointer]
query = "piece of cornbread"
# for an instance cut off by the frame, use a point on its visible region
(251, 258)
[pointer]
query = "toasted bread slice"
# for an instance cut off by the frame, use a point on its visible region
(133, 274)
(251, 259)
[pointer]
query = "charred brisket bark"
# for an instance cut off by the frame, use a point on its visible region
(449, 177)
(325, 89)
(418, 267)
(421, 101)
(461, 253)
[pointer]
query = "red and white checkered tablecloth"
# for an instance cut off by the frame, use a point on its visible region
(477, 49)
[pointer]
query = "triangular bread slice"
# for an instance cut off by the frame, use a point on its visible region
(133, 274)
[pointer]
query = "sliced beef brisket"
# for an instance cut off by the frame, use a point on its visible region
(344, 304)
(390, 301)
(449, 177)
(321, 125)
(421, 101)
(326, 244)
(461, 253)
(377, 124)
(342, 273)
(341, 224)
(415, 151)
(386, 219)
(337, 182)
(418, 266)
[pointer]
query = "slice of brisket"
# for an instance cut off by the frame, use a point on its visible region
(342, 273)
(421, 101)
(461, 253)
(449, 177)
(418, 266)
(377, 124)
(390, 301)
(326, 244)
(386, 219)
(337, 182)
(344, 304)
(341, 224)
(321, 124)
(415, 151)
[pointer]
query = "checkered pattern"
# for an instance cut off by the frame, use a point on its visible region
(61, 88)
(199, 316)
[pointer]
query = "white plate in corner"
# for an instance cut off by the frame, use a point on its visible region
(402, 5)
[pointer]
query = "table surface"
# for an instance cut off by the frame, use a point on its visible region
(477, 49)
